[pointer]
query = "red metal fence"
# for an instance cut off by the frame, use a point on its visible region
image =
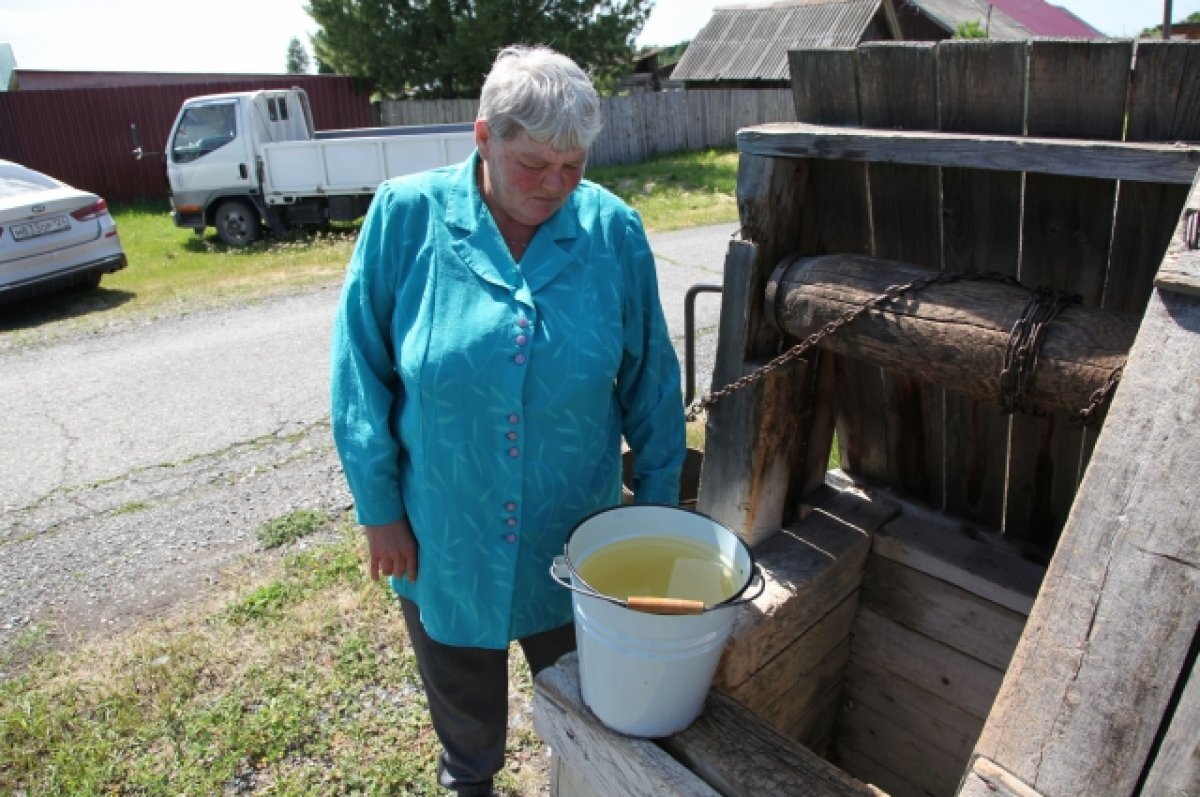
(82, 136)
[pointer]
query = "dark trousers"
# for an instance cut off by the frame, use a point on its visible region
(467, 690)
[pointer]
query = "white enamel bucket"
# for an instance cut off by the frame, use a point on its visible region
(646, 665)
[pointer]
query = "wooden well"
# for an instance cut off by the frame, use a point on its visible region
(973, 602)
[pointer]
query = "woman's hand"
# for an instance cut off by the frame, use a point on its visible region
(393, 550)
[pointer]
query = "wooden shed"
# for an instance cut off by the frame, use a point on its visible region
(995, 592)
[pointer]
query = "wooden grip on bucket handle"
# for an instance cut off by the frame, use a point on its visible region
(651, 605)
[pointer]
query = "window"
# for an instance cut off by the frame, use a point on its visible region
(277, 109)
(203, 129)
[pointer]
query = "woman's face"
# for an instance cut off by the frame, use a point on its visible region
(526, 179)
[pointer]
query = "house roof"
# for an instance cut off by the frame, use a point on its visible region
(1005, 19)
(1044, 19)
(751, 41)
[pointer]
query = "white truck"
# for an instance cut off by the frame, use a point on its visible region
(242, 160)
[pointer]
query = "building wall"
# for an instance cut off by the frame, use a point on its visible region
(83, 135)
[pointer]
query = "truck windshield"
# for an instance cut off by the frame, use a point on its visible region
(203, 129)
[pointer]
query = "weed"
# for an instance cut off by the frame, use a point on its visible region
(290, 527)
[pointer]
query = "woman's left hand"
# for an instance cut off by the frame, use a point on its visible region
(393, 550)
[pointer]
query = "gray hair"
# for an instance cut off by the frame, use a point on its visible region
(543, 93)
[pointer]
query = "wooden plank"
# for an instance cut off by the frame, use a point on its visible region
(981, 89)
(1165, 95)
(1063, 157)
(978, 561)
(1075, 89)
(940, 724)
(1180, 271)
(610, 762)
(732, 750)
(810, 568)
(899, 750)
(897, 89)
(568, 782)
(1164, 106)
(1112, 629)
(726, 751)
(753, 437)
(866, 769)
(988, 779)
(784, 690)
(823, 89)
(953, 677)
(1176, 767)
(941, 611)
(815, 728)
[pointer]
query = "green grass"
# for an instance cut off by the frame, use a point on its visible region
(173, 272)
(679, 191)
(290, 527)
(299, 681)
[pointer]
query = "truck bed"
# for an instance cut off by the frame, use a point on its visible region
(357, 164)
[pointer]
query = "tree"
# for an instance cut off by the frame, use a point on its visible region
(1156, 31)
(297, 57)
(970, 30)
(444, 48)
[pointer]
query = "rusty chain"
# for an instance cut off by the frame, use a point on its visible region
(1027, 334)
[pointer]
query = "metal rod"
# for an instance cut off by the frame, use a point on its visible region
(689, 323)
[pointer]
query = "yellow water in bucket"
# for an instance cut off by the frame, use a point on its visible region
(659, 567)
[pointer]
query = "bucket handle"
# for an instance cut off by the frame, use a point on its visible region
(560, 571)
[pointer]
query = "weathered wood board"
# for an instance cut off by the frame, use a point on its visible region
(955, 678)
(811, 568)
(935, 722)
(987, 779)
(1180, 270)
(866, 733)
(974, 560)
(941, 611)
(1074, 157)
(1110, 634)
(726, 751)
(609, 762)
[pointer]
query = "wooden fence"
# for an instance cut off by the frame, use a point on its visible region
(638, 126)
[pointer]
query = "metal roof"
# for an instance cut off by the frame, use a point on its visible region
(1045, 19)
(949, 14)
(752, 42)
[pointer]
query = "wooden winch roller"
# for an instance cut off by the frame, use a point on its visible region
(952, 334)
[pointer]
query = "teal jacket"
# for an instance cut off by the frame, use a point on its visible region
(486, 400)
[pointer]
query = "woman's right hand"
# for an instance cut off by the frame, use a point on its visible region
(393, 550)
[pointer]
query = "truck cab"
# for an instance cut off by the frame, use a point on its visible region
(237, 160)
(213, 156)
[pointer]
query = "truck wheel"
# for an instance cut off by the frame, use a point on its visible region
(236, 223)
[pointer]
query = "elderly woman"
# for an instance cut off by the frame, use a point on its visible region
(499, 331)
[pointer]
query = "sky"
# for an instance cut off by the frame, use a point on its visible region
(253, 35)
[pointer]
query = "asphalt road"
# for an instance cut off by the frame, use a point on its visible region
(100, 408)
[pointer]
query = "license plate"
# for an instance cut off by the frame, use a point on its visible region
(33, 229)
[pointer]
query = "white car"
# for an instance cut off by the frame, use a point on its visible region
(52, 236)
